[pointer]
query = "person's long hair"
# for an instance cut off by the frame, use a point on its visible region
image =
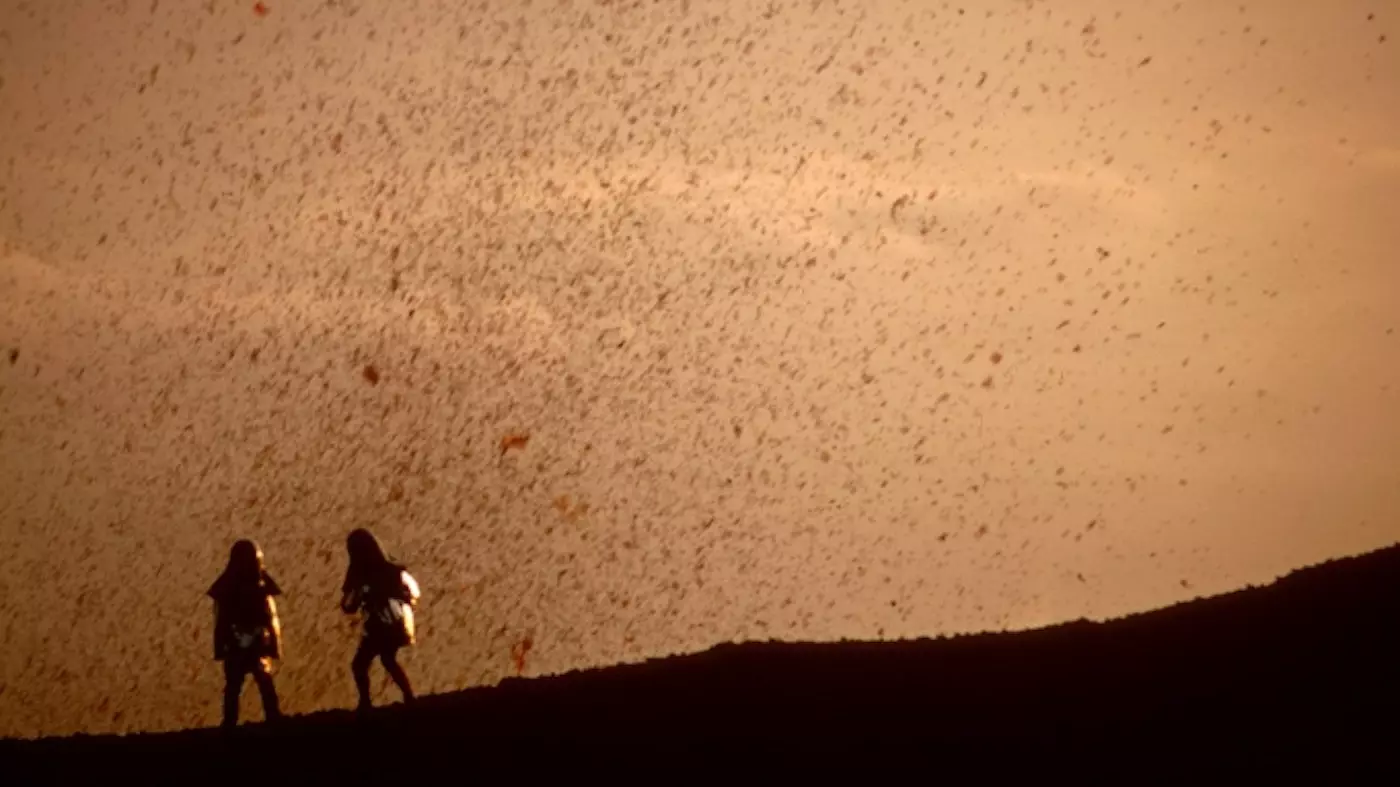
(367, 558)
(243, 575)
(245, 565)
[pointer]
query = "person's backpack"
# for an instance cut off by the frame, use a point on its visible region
(249, 639)
(390, 613)
(251, 626)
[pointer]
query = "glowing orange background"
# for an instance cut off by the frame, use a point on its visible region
(636, 327)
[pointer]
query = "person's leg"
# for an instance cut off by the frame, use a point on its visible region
(359, 667)
(390, 658)
(262, 675)
(233, 686)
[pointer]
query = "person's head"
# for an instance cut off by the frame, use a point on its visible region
(364, 549)
(245, 561)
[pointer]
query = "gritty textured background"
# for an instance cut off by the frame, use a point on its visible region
(634, 327)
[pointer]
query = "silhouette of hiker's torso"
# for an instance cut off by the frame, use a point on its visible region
(246, 622)
(385, 596)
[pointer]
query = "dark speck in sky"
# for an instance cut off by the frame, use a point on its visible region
(514, 440)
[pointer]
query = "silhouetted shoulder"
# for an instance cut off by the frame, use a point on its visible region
(226, 586)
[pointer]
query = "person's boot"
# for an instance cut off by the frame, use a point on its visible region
(272, 709)
(362, 688)
(230, 720)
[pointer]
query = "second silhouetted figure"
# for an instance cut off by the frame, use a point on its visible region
(247, 635)
(385, 593)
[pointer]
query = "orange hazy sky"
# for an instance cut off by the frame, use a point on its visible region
(823, 319)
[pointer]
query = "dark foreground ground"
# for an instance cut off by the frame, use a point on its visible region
(1297, 680)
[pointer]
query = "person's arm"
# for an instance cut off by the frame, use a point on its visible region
(349, 594)
(410, 587)
(220, 635)
(274, 628)
(350, 601)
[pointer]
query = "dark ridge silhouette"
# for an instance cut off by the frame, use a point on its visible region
(1271, 680)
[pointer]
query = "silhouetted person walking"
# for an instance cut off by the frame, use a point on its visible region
(247, 634)
(385, 593)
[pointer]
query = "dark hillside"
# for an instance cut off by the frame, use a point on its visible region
(1302, 672)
